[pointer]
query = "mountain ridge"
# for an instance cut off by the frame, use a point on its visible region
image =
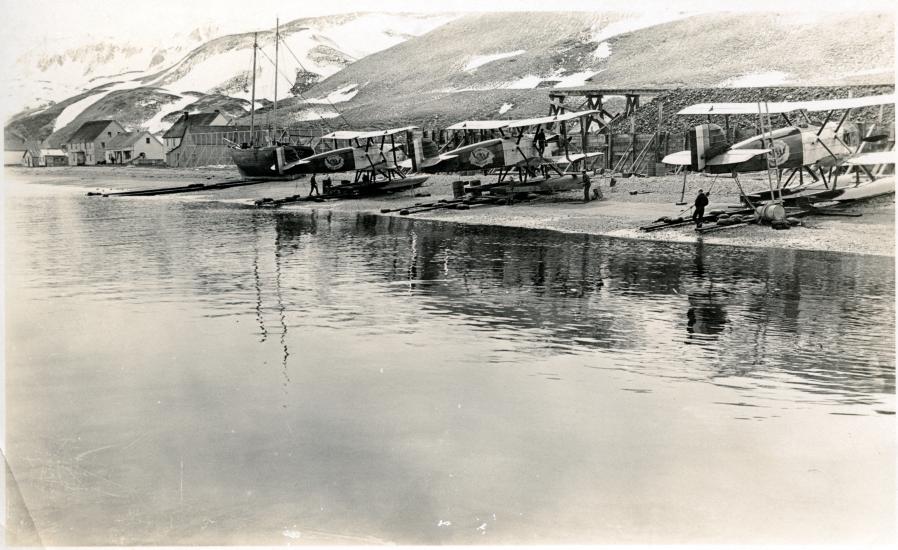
(384, 69)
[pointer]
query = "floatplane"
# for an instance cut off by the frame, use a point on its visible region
(377, 158)
(821, 150)
(533, 149)
(531, 155)
(795, 148)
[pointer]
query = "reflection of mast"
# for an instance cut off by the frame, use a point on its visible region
(281, 309)
(258, 283)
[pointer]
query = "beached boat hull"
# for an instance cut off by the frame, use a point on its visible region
(269, 162)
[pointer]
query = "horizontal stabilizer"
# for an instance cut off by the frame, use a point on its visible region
(574, 157)
(680, 158)
(734, 156)
(437, 159)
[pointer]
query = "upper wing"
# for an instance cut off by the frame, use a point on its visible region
(353, 134)
(549, 119)
(517, 123)
(479, 125)
(777, 107)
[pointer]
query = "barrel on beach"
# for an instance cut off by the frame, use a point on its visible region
(771, 212)
(458, 189)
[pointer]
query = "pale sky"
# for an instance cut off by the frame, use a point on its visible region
(61, 24)
(29, 22)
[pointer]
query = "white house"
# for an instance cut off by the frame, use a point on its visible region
(127, 147)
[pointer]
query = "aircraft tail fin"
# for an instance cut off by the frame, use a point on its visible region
(705, 142)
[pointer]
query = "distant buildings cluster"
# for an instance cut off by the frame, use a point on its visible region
(106, 142)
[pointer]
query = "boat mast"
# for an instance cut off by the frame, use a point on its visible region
(277, 39)
(252, 103)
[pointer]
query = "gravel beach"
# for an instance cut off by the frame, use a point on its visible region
(619, 214)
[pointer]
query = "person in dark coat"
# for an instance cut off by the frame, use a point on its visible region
(587, 183)
(540, 141)
(701, 201)
(313, 186)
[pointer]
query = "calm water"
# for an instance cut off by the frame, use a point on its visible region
(183, 372)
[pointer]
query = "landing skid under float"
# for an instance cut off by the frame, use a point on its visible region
(513, 151)
(826, 148)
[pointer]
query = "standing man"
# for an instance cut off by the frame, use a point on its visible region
(540, 141)
(701, 201)
(314, 186)
(587, 183)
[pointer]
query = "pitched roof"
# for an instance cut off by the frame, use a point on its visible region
(180, 126)
(123, 141)
(89, 131)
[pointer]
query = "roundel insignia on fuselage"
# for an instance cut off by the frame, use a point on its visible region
(480, 156)
(780, 151)
(333, 162)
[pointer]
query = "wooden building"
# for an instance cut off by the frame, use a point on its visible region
(130, 146)
(174, 135)
(36, 157)
(87, 146)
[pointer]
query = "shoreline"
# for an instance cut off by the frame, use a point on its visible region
(619, 214)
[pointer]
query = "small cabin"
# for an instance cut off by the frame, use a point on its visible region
(34, 158)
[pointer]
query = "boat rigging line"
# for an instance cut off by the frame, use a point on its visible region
(301, 96)
(301, 66)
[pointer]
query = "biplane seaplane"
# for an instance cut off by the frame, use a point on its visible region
(817, 149)
(532, 149)
(375, 156)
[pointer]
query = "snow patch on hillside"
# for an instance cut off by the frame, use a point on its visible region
(315, 114)
(623, 26)
(71, 112)
(576, 79)
(524, 83)
(768, 78)
(155, 124)
(479, 60)
(505, 108)
(603, 51)
(337, 96)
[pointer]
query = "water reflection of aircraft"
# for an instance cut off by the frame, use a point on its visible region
(812, 147)
(531, 147)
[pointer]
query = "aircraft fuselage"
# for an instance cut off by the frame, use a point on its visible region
(795, 147)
